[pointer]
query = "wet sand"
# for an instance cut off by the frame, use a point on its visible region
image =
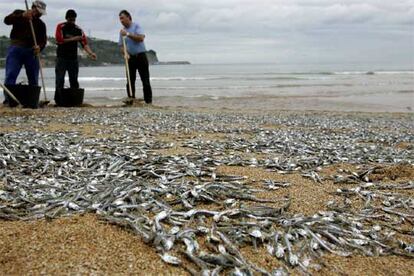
(377, 103)
(402, 102)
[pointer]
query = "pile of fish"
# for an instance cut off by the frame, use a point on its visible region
(187, 210)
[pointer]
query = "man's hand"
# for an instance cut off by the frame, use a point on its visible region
(123, 32)
(93, 56)
(28, 14)
(127, 56)
(77, 38)
(36, 50)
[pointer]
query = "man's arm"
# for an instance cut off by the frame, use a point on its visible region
(85, 46)
(83, 39)
(91, 54)
(125, 55)
(42, 36)
(121, 46)
(14, 17)
(136, 37)
(72, 39)
(60, 38)
(133, 36)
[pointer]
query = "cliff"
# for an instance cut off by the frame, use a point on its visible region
(108, 53)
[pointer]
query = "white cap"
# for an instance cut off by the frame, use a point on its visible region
(40, 6)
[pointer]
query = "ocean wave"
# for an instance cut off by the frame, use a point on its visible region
(394, 72)
(184, 79)
(96, 79)
(262, 77)
(211, 88)
(294, 76)
(372, 72)
(251, 87)
(178, 78)
(94, 89)
(344, 73)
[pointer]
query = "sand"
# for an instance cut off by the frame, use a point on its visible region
(87, 245)
(76, 245)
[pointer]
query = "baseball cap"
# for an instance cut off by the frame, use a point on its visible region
(40, 6)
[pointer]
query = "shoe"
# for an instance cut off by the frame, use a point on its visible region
(138, 100)
(128, 101)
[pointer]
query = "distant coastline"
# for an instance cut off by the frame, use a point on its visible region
(107, 51)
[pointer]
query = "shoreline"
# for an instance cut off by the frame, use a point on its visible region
(298, 103)
(370, 103)
(114, 105)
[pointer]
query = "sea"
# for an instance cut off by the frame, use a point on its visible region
(323, 87)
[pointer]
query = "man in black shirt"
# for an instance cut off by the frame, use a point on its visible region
(68, 35)
(22, 50)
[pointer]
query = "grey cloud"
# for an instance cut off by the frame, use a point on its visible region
(252, 30)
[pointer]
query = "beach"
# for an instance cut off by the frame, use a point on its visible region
(325, 164)
(207, 138)
(259, 87)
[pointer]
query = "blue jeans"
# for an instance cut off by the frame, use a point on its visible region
(16, 58)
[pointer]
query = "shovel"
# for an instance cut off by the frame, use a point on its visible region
(46, 101)
(129, 102)
(11, 95)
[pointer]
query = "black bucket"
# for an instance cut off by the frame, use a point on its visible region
(69, 97)
(27, 95)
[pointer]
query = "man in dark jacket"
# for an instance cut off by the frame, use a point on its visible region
(68, 35)
(22, 50)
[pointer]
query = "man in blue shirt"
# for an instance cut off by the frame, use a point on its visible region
(137, 57)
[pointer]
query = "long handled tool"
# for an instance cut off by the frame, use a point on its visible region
(127, 67)
(46, 101)
(11, 95)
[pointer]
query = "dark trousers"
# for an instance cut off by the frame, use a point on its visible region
(140, 62)
(72, 67)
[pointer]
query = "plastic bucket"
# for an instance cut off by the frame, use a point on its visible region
(27, 95)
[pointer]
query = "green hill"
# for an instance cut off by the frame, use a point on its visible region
(108, 53)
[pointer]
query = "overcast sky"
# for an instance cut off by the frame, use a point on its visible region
(244, 31)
